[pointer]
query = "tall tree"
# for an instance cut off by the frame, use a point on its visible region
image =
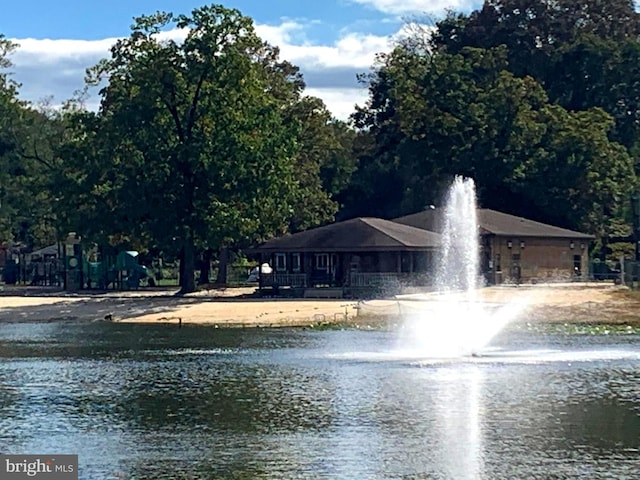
(572, 172)
(605, 73)
(584, 53)
(533, 30)
(190, 139)
(432, 116)
(436, 116)
(9, 113)
(28, 136)
(324, 164)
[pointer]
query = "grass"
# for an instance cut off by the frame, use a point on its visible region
(580, 328)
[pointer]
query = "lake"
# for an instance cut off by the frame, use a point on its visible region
(159, 402)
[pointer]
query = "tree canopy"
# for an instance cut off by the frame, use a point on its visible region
(198, 140)
(431, 117)
(584, 53)
(28, 135)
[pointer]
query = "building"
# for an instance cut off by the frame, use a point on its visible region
(354, 254)
(516, 249)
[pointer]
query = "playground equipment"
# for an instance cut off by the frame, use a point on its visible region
(128, 271)
(120, 272)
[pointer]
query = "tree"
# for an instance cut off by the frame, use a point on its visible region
(434, 115)
(533, 30)
(324, 163)
(28, 137)
(604, 73)
(575, 174)
(190, 144)
(9, 113)
(584, 53)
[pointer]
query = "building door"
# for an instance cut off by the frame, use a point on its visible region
(516, 268)
(486, 265)
(577, 265)
(321, 270)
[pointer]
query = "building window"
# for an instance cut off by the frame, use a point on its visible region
(322, 261)
(281, 262)
(498, 265)
(295, 262)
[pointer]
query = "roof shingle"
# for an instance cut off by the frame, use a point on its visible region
(496, 223)
(358, 234)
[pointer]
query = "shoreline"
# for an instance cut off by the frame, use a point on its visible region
(235, 307)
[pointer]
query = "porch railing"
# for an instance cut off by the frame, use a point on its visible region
(378, 279)
(285, 279)
(356, 280)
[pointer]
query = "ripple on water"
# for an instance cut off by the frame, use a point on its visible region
(325, 405)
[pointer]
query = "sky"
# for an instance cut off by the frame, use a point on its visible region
(332, 41)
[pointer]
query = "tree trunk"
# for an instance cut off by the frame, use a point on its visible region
(181, 266)
(187, 265)
(223, 262)
(205, 267)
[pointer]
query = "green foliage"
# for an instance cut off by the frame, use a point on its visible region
(433, 117)
(9, 112)
(324, 163)
(198, 142)
(575, 173)
(207, 141)
(574, 328)
(534, 100)
(27, 139)
(584, 53)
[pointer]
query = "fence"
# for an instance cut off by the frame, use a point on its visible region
(19, 270)
(51, 273)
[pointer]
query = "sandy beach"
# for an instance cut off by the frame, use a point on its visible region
(591, 302)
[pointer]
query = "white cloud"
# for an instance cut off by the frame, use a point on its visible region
(56, 68)
(280, 34)
(340, 101)
(330, 70)
(352, 49)
(398, 7)
(33, 51)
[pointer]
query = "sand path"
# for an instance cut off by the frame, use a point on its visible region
(233, 307)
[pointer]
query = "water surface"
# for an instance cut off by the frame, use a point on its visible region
(150, 402)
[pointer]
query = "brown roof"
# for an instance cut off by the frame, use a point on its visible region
(355, 235)
(495, 223)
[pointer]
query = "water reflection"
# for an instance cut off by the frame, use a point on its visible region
(458, 423)
(198, 403)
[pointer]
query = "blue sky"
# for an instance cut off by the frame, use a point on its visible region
(330, 40)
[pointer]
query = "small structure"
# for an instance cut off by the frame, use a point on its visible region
(129, 272)
(516, 249)
(121, 271)
(11, 262)
(44, 265)
(348, 257)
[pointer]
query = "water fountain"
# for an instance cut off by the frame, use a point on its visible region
(453, 321)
